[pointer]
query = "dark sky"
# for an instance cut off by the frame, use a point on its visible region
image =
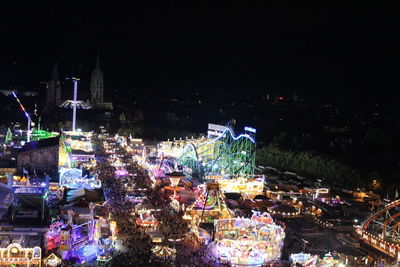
(336, 52)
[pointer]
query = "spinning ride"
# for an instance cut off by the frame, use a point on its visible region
(244, 241)
(210, 205)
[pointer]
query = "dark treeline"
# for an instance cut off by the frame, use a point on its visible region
(308, 164)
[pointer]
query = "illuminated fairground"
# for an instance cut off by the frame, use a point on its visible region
(75, 149)
(146, 216)
(243, 241)
(174, 187)
(76, 159)
(222, 152)
(209, 205)
(83, 241)
(382, 230)
(304, 259)
(15, 255)
(247, 187)
(30, 198)
(73, 178)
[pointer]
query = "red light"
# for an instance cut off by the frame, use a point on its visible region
(281, 98)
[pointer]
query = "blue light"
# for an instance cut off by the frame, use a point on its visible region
(223, 133)
(250, 129)
(234, 138)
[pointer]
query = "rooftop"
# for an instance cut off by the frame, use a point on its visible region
(44, 143)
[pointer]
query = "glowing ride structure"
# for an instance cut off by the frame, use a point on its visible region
(26, 115)
(74, 104)
(382, 230)
(247, 241)
(209, 206)
(30, 196)
(221, 153)
(84, 241)
(72, 178)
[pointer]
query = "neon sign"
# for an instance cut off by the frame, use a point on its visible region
(29, 190)
(250, 129)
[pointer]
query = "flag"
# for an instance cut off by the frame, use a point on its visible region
(396, 195)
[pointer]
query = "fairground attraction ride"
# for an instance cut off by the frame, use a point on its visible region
(381, 230)
(224, 154)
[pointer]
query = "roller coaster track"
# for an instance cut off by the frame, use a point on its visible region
(231, 154)
(381, 230)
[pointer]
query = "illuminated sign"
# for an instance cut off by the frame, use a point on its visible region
(249, 129)
(322, 191)
(214, 177)
(216, 127)
(29, 190)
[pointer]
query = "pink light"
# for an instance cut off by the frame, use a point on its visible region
(121, 172)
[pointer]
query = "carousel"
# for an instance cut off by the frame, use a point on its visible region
(251, 241)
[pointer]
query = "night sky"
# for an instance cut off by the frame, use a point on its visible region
(338, 53)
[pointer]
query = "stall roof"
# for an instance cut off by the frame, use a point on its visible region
(33, 145)
(76, 195)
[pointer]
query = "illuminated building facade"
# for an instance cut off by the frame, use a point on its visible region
(16, 255)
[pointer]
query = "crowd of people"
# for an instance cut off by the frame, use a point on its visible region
(133, 245)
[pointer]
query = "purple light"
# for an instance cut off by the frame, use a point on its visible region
(121, 172)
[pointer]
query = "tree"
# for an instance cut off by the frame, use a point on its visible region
(307, 163)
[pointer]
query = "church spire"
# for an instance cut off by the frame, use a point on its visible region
(54, 72)
(98, 60)
(97, 84)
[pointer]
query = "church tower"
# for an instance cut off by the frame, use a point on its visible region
(97, 85)
(53, 93)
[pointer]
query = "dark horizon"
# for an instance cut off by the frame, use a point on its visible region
(325, 53)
